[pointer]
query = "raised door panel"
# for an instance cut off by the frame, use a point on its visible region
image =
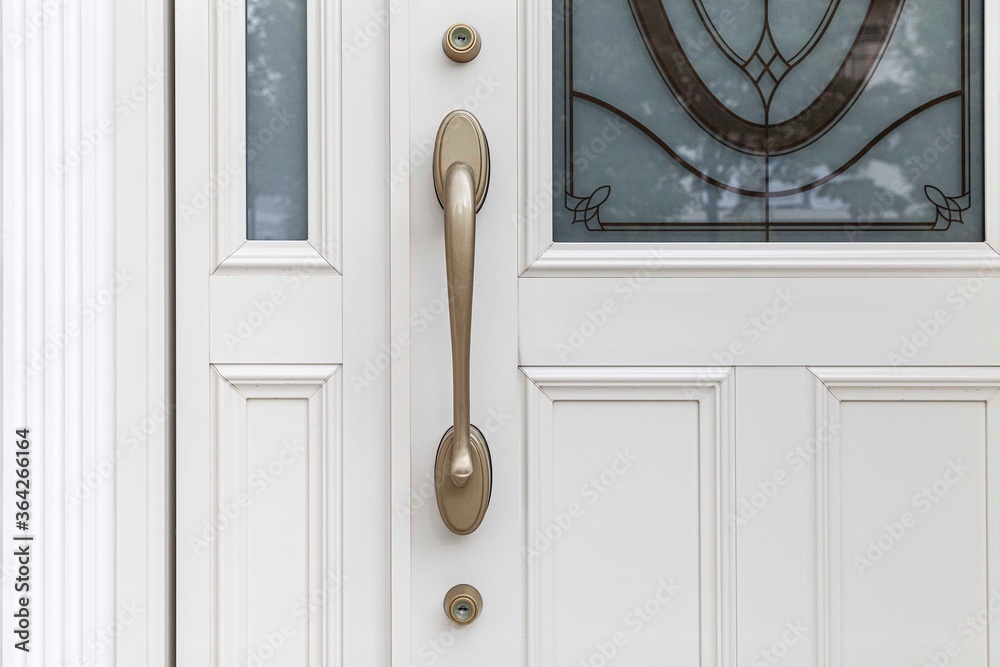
(861, 516)
(276, 538)
(827, 517)
(904, 532)
(628, 473)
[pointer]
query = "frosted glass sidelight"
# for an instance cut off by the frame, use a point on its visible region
(768, 120)
(277, 120)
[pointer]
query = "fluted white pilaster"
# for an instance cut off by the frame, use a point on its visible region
(59, 293)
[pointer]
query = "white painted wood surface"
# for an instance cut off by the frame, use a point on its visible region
(630, 474)
(59, 293)
(760, 321)
(277, 549)
(144, 333)
(892, 344)
(282, 342)
(490, 558)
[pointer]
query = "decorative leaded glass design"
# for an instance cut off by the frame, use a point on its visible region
(768, 120)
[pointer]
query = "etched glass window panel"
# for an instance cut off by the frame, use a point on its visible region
(276, 119)
(768, 120)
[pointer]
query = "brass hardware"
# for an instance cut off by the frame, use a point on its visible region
(461, 43)
(463, 604)
(460, 139)
(461, 180)
(463, 508)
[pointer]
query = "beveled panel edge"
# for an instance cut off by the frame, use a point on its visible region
(944, 383)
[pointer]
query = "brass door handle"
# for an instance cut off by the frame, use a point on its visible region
(460, 256)
(461, 179)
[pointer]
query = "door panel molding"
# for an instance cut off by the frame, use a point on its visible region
(713, 391)
(581, 260)
(226, 193)
(539, 256)
(241, 492)
(835, 387)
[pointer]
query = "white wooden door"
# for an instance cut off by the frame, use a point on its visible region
(281, 475)
(733, 349)
(734, 341)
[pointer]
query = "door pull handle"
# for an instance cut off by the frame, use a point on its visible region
(463, 469)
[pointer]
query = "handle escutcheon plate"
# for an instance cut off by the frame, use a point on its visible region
(463, 508)
(461, 139)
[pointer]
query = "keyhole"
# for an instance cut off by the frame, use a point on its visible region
(460, 38)
(461, 42)
(463, 604)
(462, 611)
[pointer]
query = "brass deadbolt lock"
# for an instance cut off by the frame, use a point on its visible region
(463, 604)
(461, 43)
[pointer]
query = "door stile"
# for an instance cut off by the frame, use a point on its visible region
(398, 197)
(365, 324)
(195, 467)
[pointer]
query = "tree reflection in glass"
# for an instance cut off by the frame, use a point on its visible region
(276, 120)
(768, 120)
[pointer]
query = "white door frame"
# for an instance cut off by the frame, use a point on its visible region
(144, 332)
